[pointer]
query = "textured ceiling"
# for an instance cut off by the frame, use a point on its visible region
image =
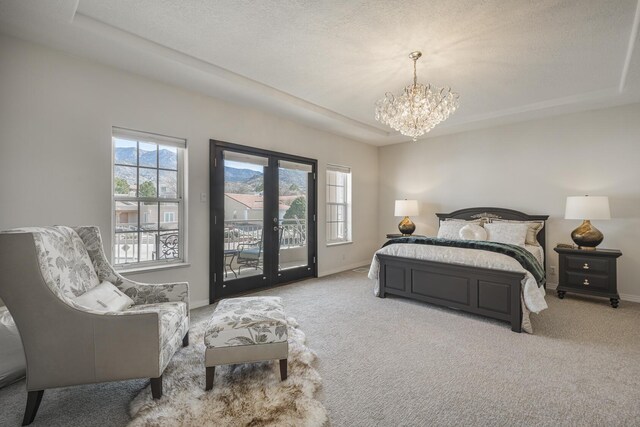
(326, 62)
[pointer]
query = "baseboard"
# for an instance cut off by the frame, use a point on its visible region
(623, 297)
(630, 298)
(198, 304)
(344, 268)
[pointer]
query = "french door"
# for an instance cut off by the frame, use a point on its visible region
(263, 219)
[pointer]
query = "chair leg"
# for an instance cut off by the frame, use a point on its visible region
(211, 372)
(283, 369)
(33, 403)
(185, 340)
(156, 387)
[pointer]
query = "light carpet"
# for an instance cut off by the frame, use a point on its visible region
(395, 362)
(242, 395)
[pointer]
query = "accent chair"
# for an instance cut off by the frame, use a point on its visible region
(42, 271)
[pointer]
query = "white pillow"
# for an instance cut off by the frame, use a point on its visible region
(473, 232)
(507, 232)
(532, 233)
(450, 230)
(104, 297)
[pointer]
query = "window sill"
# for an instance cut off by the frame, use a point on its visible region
(340, 243)
(150, 268)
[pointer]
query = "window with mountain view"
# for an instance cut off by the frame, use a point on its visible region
(148, 184)
(338, 215)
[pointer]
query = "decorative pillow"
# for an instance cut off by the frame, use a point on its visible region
(104, 297)
(473, 232)
(532, 233)
(450, 230)
(506, 232)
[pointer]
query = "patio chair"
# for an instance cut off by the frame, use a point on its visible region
(249, 255)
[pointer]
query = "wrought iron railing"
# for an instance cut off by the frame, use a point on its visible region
(148, 246)
(292, 233)
(128, 246)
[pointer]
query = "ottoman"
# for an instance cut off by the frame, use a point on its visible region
(244, 330)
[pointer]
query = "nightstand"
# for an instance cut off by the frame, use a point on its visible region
(395, 235)
(588, 272)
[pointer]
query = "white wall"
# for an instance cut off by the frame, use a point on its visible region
(530, 167)
(56, 114)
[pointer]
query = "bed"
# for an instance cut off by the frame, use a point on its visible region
(491, 292)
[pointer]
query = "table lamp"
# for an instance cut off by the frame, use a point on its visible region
(586, 208)
(406, 208)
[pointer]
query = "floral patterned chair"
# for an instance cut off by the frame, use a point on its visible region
(42, 271)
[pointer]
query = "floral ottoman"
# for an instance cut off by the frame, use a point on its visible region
(243, 330)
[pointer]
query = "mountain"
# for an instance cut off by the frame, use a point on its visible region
(240, 175)
(236, 180)
(290, 177)
(247, 181)
(127, 156)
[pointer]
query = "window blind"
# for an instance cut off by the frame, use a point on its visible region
(135, 135)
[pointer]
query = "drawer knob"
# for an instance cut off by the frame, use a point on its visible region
(585, 266)
(586, 282)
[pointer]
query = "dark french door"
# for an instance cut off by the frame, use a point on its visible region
(263, 219)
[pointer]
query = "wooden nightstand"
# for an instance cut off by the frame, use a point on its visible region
(589, 272)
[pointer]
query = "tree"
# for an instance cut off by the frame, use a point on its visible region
(298, 209)
(147, 189)
(122, 186)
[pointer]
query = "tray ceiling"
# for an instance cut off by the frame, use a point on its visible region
(325, 63)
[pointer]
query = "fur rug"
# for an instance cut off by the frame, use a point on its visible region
(242, 395)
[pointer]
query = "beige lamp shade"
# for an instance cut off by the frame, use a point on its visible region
(406, 208)
(587, 207)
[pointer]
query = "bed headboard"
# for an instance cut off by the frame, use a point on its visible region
(501, 213)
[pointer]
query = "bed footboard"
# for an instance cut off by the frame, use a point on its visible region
(487, 292)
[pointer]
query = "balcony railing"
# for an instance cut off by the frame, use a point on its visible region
(128, 246)
(292, 233)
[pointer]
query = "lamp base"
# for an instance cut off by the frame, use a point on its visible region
(406, 226)
(586, 236)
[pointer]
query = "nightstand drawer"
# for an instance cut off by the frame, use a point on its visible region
(587, 281)
(587, 264)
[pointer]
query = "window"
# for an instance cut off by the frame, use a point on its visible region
(338, 204)
(148, 202)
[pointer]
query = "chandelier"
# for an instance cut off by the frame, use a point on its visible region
(418, 109)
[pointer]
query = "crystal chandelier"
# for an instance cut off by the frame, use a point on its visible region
(418, 109)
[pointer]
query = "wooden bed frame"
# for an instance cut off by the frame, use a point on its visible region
(484, 291)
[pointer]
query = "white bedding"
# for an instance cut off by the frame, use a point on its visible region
(537, 252)
(532, 295)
